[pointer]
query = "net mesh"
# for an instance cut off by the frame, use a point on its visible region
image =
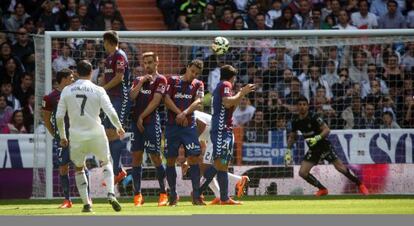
(349, 81)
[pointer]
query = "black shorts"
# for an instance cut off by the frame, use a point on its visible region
(321, 152)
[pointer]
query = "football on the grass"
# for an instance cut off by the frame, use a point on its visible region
(220, 45)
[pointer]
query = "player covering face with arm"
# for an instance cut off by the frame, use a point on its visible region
(315, 132)
(221, 130)
(82, 101)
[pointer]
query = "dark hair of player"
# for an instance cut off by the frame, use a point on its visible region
(227, 72)
(111, 36)
(84, 68)
(302, 99)
(197, 63)
(64, 73)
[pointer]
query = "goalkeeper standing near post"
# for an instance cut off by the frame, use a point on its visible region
(315, 132)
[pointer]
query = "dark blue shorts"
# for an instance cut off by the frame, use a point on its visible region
(63, 154)
(223, 142)
(122, 109)
(177, 135)
(149, 141)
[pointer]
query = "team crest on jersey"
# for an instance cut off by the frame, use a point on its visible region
(161, 88)
(226, 90)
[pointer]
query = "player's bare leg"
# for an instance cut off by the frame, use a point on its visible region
(304, 172)
(172, 180)
(346, 172)
(64, 181)
(137, 176)
(163, 198)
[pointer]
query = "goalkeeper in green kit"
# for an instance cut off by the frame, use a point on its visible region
(315, 132)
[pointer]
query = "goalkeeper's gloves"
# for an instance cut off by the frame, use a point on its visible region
(288, 157)
(312, 141)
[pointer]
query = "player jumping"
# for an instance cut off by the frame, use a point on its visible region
(147, 92)
(221, 130)
(315, 132)
(184, 95)
(83, 101)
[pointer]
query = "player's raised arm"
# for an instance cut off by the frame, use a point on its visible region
(232, 101)
(169, 103)
(156, 100)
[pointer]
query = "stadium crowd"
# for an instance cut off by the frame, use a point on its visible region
(352, 87)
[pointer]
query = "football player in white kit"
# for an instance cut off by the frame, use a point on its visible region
(83, 101)
(203, 121)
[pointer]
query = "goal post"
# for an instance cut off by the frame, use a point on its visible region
(251, 52)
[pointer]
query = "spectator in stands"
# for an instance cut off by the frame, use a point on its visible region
(378, 7)
(24, 89)
(3, 38)
(290, 100)
(408, 87)
(286, 21)
(303, 16)
(47, 19)
(28, 113)
(410, 15)
(363, 19)
(336, 8)
(221, 5)
(294, 6)
(389, 105)
(6, 54)
(206, 20)
(302, 60)
(94, 8)
(388, 121)
(29, 25)
(23, 46)
(351, 6)
(393, 18)
(372, 75)
(374, 96)
(284, 60)
(243, 113)
(310, 86)
(283, 86)
(250, 19)
(83, 16)
(187, 10)
(271, 75)
(71, 8)
(169, 12)
(6, 112)
(407, 60)
(342, 91)
(316, 22)
(369, 119)
(392, 74)
(408, 121)
(16, 20)
(343, 21)
(330, 76)
(352, 115)
(241, 5)
(64, 60)
(261, 22)
(7, 90)
(103, 21)
(11, 72)
(238, 23)
(322, 106)
(226, 21)
(16, 124)
(358, 69)
(274, 106)
(274, 12)
(257, 129)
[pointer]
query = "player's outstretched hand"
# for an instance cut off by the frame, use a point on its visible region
(140, 124)
(248, 89)
(313, 141)
(64, 142)
(120, 132)
(288, 157)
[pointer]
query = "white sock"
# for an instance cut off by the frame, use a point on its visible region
(109, 177)
(215, 187)
(82, 185)
(233, 179)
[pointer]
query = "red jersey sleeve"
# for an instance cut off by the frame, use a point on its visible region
(170, 86)
(161, 85)
(226, 89)
(120, 64)
(47, 104)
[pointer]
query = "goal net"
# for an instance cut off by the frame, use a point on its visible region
(360, 83)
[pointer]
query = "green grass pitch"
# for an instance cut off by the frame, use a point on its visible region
(345, 204)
